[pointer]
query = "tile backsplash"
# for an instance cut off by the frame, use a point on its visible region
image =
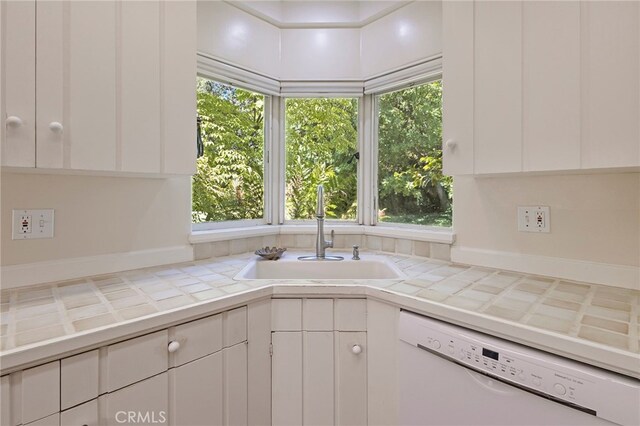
(403, 246)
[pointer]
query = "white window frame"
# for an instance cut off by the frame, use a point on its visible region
(267, 168)
(276, 92)
(417, 80)
(314, 90)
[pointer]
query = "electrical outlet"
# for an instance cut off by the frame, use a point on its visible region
(534, 219)
(29, 224)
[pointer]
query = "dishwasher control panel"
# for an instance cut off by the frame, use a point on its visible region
(581, 386)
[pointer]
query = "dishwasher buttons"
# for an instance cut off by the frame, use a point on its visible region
(560, 389)
(536, 381)
(435, 344)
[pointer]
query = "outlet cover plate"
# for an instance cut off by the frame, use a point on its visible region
(534, 219)
(30, 224)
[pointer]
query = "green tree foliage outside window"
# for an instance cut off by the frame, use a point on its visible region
(229, 184)
(411, 186)
(321, 140)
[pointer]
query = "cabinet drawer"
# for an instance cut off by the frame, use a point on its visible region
(197, 339)
(286, 314)
(79, 379)
(40, 392)
(317, 314)
(351, 315)
(136, 359)
(83, 415)
(235, 326)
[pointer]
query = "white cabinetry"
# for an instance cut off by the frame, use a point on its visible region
(99, 86)
(540, 86)
(319, 363)
(200, 378)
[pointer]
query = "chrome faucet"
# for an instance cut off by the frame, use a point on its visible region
(321, 243)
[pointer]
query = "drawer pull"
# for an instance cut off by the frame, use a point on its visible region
(13, 121)
(356, 349)
(56, 127)
(173, 346)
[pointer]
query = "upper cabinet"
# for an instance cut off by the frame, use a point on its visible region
(99, 86)
(540, 86)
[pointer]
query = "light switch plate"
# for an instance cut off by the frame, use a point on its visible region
(534, 219)
(30, 224)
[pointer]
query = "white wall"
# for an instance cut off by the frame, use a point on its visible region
(320, 54)
(409, 34)
(594, 217)
(228, 33)
(96, 215)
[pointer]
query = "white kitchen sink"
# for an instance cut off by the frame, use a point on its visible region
(290, 268)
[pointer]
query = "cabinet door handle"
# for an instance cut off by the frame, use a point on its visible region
(173, 346)
(356, 349)
(56, 127)
(450, 144)
(13, 121)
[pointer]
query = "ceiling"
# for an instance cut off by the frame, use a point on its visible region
(313, 14)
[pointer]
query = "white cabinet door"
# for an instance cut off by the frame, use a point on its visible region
(91, 98)
(286, 367)
(351, 376)
(551, 85)
(457, 92)
(382, 363)
(198, 392)
(17, 100)
(82, 415)
(140, 86)
(5, 400)
(112, 84)
(39, 391)
(318, 378)
(143, 403)
(611, 84)
(51, 74)
(498, 88)
(235, 385)
(178, 101)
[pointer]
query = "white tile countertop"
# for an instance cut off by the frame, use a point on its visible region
(592, 323)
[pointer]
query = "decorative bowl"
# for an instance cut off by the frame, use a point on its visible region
(270, 253)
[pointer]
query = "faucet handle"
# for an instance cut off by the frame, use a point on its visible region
(330, 242)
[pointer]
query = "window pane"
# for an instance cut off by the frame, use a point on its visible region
(411, 187)
(321, 143)
(229, 182)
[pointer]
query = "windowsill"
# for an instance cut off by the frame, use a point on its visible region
(434, 235)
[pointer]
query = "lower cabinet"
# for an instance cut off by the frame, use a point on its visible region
(194, 373)
(143, 403)
(85, 414)
(211, 390)
(319, 362)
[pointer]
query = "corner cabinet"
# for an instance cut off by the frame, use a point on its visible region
(103, 86)
(190, 374)
(319, 362)
(540, 86)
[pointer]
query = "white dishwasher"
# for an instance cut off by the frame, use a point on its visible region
(449, 375)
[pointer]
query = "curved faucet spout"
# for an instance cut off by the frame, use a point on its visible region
(320, 202)
(321, 243)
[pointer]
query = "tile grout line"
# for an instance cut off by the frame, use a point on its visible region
(586, 302)
(541, 298)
